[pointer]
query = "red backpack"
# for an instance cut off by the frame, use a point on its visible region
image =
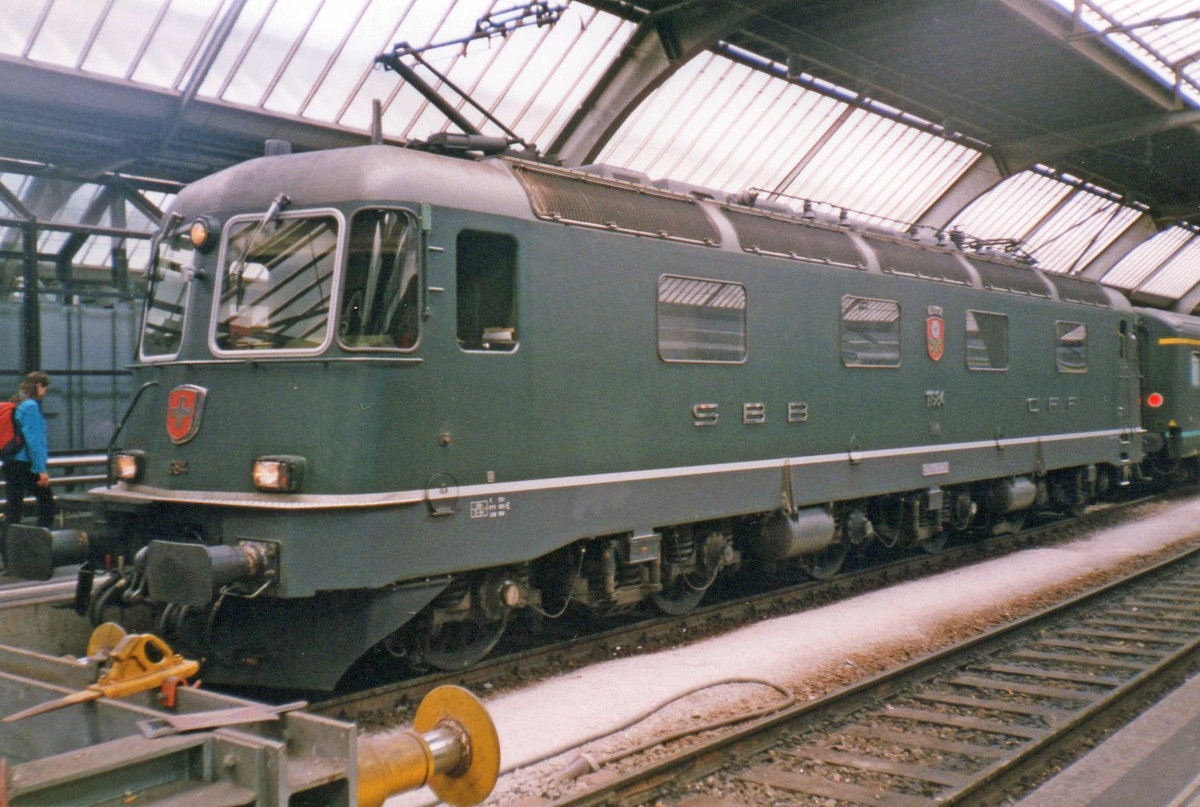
(10, 432)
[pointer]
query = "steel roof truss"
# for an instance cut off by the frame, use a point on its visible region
(15, 204)
(75, 241)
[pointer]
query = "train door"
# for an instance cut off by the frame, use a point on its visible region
(1129, 384)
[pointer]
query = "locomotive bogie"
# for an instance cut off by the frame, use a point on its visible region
(395, 384)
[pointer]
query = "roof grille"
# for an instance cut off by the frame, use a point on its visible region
(1078, 290)
(908, 261)
(572, 199)
(1003, 277)
(759, 233)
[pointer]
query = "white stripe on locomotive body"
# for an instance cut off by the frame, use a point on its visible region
(409, 497)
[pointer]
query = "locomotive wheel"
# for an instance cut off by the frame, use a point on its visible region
(826, 563)
(459, 644)
(936, 543)
(889, 521)
(678, 598)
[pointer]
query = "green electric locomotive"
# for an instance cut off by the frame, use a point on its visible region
(389, 400)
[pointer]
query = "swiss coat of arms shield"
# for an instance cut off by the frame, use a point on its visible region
(184, 406)
(935, 336)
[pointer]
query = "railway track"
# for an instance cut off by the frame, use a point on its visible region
(961, 726)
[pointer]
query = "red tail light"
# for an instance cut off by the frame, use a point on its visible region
(1154, 400)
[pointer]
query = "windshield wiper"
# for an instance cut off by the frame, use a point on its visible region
(239, 268)
(165, 234)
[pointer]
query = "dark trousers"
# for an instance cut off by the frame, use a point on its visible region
(19, 482)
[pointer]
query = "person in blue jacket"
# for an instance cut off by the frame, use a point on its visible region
(26, 472)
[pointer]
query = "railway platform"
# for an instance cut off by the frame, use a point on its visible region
(1154, 761)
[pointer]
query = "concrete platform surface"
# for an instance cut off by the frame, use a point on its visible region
(1152, 762)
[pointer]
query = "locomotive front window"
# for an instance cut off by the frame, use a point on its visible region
(380, 301)
(870, 332)
(277, 283)
(166, 301)
(701, 320)
(1071, 352)
(987, 341)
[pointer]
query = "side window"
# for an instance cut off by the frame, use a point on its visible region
(870, 332)
(166, 301)
(987, 341)
(381, 290)
(1071, 350)
(486, 291)
(1195, 369)
(701, 320)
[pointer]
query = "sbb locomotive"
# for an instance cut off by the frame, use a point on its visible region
(389, 400)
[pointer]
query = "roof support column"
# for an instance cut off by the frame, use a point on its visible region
(31, 320)
(31, 315)
(120, 256)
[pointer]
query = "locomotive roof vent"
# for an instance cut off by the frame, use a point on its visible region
(750, 198)
(687, 189)
(615, 173)
(465, 145)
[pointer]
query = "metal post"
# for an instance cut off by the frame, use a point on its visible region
(120, 258)
(31, 319)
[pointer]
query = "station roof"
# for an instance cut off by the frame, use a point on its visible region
(1063, 130)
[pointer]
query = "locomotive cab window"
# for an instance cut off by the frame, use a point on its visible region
(870, 332)
(1071, 351)
(277, 283)
(701, 320)
(166, 300)
(986, 341)
(381, 290)
(487, 291)
(1194, 369)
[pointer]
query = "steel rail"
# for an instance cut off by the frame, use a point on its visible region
(797, 733)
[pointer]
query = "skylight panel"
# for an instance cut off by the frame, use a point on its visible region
(1011, 208)
(1144, 260)
(697, 129)
(18, 24)
(1177, 276)
(1159, 35)
(1078, 230)
(64, 33)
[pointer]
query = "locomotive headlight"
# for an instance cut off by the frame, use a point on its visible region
(202, 234)
(128, 465)
(283, 474)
